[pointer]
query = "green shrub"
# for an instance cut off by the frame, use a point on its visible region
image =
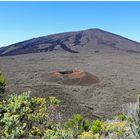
(77, 125)
(2, 83)
(121, 117)
(86, 135)
(56, 134)
(86, 124)
(23, 116)
(35, 132)
(116, 129)
(54, 101)
(135, 120)
(96, 126)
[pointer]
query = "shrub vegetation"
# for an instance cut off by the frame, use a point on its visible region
(23, 116)
(2, 83)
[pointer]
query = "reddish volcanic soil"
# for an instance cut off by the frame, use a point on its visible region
(76, 77)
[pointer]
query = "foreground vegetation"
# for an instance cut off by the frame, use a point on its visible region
(23, 116)
(2, 83)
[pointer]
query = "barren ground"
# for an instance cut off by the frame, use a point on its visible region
(119, 75)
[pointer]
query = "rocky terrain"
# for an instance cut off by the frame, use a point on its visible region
(117, 67)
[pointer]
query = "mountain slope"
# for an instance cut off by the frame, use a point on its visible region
(73, 42)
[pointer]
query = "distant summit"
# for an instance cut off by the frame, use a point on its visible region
(95, 40)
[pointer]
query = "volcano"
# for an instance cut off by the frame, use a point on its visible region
(95, 40)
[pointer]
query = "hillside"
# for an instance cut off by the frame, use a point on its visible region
(95, 40)
(118, 71)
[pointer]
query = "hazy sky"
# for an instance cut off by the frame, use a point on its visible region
(24, 20)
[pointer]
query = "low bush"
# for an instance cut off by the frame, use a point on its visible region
(135, 120)
(2, 83)
(96, 126)
(23, 116)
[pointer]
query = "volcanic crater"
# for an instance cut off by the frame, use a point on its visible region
(72, 77)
